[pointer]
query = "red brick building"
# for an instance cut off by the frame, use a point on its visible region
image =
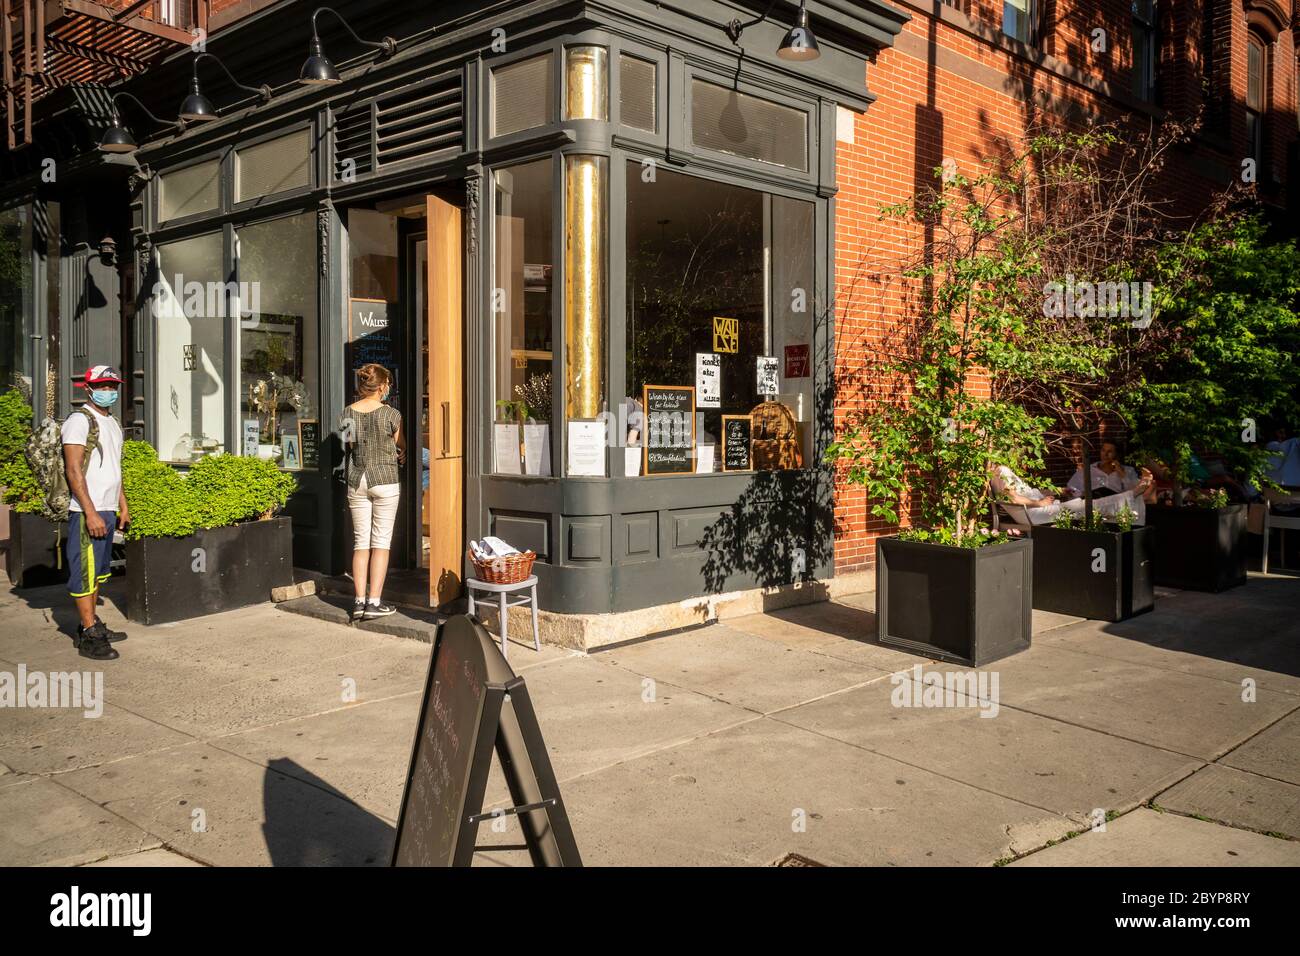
(964, 80)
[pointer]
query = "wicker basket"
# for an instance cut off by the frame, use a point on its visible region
(508, 570)
(775, 438)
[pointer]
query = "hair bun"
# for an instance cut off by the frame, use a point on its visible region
(373, 378)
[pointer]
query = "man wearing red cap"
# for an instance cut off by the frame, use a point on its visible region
(98, 505)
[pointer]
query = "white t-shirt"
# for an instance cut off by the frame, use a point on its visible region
(1124, 480)
(104, 476)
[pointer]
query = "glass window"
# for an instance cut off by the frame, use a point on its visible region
(377, 303)
(274, 166)
(743, 125)
(190, 309)
(278, 346)
(523, 95)
(523, 434)
(1256, 72)
(189, 191)
(1144, 49)
(637, 92)
(1017, 19)
(719, 320)
(16, 313)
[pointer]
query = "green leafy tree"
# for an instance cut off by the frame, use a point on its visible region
(1230, 354)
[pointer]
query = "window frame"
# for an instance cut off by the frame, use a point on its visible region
(314, 144)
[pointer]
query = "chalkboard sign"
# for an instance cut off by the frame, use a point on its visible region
(309, 443)
(372, 337)
(737, 434)
(472, 703)
(670, 428)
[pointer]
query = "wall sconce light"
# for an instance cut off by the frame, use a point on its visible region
(799, 44)
(108, 250)
(197, 108)
(116, 138)
(318, 70)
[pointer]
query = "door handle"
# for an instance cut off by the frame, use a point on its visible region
(446, 429)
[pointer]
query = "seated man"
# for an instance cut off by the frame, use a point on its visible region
(1110, 476)
(1041, 507)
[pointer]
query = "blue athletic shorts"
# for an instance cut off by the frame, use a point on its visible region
(88, 558)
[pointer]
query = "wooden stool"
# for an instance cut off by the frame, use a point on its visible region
(504, 602)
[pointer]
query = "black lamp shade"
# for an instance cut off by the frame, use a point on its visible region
(318, 70)
(197, 108)
(799, 44)
(117, 139)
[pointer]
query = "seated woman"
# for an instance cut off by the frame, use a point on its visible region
(1110, 476)
(1041, 507)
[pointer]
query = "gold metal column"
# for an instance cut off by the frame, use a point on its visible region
(586, 83)
(584, 285)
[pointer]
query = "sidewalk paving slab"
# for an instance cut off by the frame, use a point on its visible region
(252, 815)
(1274, 753)
(148, 858)
(46, 824)
(1241, 799)
(729, 665)
(1036, 760)
(735, 797)
(1272, 661)
(1185, 713)
(56, 740)
(1147, 838)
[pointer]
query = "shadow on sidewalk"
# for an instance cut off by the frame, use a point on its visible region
(310, 823)
(1254, 625)
(54, 599)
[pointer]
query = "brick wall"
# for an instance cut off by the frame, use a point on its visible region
(954, 88)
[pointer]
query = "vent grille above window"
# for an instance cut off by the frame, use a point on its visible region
(636, 84)
(743, 125)
(354, 130)
(420, 121)
(523, 95)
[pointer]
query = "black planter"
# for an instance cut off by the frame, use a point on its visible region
(969, 605)
(1199, 549)
(167, 581)
(1066, 579)
(35, 556)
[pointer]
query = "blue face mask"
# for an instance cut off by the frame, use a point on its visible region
(104, 397)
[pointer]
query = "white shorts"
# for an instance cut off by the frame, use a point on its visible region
(374, 511)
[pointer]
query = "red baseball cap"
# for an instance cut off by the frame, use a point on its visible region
(98, 374)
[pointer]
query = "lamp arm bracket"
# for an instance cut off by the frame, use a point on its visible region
(264, 91)
(736, 27)
(122, 94)
(387, 45)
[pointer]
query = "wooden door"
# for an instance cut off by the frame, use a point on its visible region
(446, 338)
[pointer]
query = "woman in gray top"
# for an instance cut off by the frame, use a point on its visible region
(375, 448)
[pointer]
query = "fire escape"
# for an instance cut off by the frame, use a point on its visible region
(50, 44)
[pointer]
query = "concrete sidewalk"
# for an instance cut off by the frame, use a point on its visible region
(259, 737)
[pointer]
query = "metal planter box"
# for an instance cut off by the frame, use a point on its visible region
(1102, 575)
(968, 605)
(1199, 549)
(218, 569)
(33, 559)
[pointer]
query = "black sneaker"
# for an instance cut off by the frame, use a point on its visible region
(382, 609)
(92, 642)
(358, 611)
(112, 635)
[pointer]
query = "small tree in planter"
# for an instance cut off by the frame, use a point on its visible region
(1229, 360)
(32, 557)
(948, 586)
(207, 541)
(1096, 569)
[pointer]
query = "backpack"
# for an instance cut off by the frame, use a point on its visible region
(44, 453)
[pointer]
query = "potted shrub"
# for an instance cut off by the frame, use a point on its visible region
(942, 421)
(1231, 362)
(1101, 570)
(206, 541)
(32, 557)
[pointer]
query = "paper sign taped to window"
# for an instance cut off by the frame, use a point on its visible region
(708, 380)
(726, 334)
(768, 375)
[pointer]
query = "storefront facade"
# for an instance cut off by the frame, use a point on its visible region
(540, 222)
